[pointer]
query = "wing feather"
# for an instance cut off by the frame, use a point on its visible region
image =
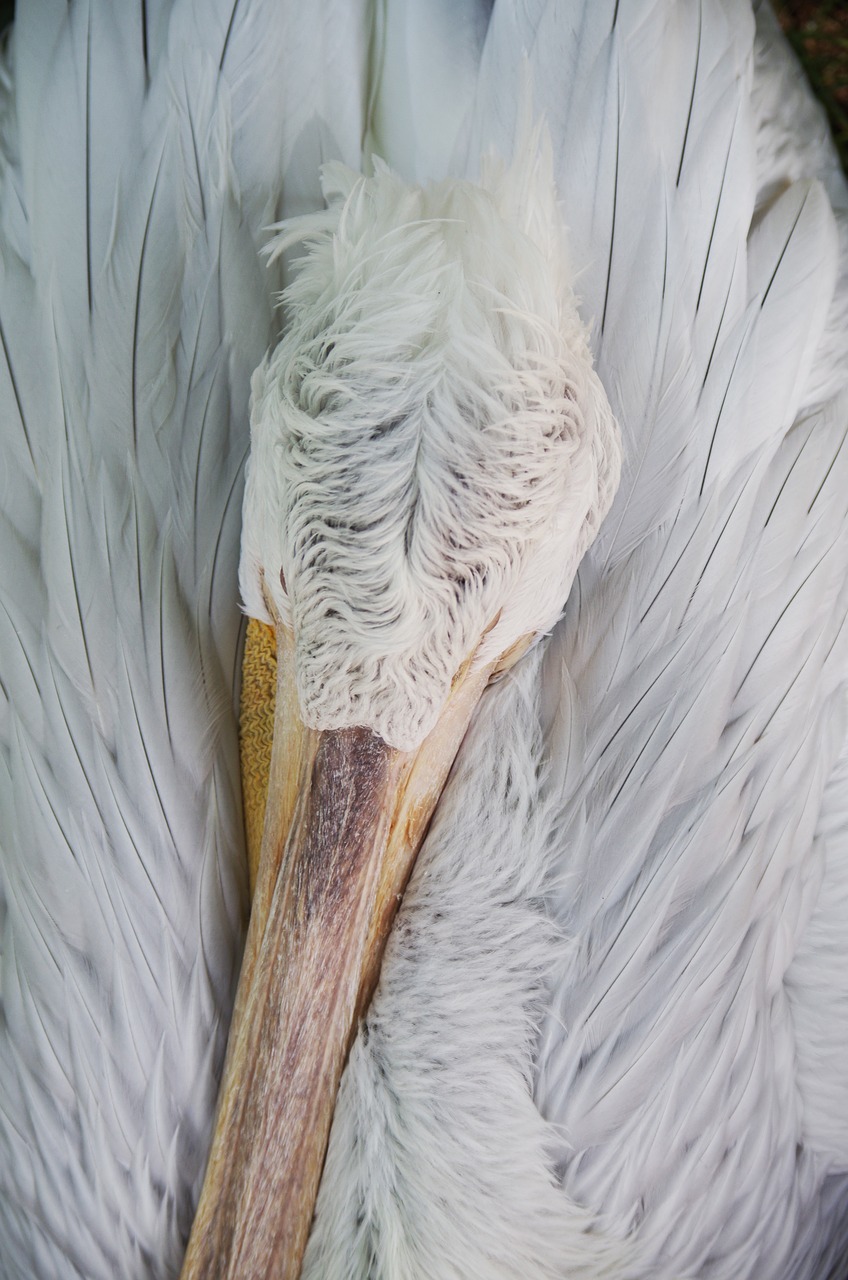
(691, 712)
(140, 166)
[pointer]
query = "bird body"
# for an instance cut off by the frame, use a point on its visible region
(610, 1027)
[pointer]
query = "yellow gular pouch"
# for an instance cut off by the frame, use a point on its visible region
(256, 732)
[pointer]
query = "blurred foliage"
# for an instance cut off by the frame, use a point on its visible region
(818, 32)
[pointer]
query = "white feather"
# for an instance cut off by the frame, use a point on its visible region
(611, 1028)
(693, 713)
(134, 308)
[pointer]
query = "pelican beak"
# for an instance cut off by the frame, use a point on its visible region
(345, 817)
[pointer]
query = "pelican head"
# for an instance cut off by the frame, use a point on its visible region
(432, 453)
(431, 449)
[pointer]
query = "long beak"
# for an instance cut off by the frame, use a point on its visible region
(345, 817)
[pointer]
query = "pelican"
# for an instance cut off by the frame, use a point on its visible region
(609, 1022)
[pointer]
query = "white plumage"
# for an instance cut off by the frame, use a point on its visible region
(430, 446)
(612, 1020)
